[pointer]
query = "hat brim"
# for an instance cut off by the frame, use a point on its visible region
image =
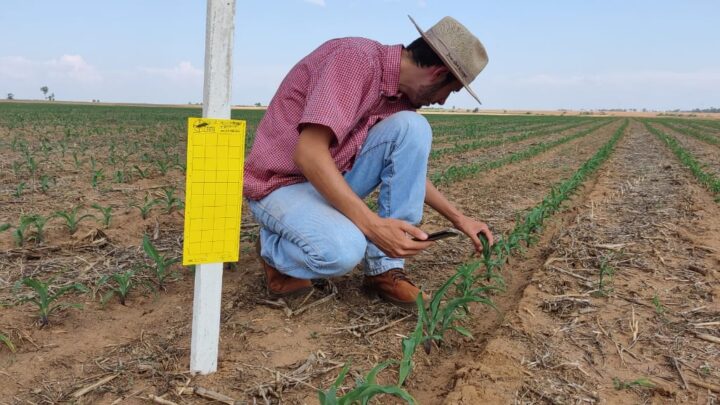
(444, 58)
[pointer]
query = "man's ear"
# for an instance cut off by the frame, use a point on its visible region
(439, 71)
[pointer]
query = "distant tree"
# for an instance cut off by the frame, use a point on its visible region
(11, 96)
(258, 104)
(476, 109)
(44, 90)
(51, 97)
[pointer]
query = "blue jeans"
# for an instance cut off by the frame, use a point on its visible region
(303, 236)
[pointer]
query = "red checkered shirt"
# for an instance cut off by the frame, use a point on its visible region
(346, 84)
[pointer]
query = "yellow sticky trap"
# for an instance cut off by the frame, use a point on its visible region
(213, 190)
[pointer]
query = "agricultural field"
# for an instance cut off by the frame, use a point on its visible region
(603, 286)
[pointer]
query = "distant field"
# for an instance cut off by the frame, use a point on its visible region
(604, 284)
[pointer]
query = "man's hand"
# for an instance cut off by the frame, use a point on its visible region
(394, 237)
(472, 228)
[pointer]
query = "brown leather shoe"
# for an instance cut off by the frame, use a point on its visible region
(279, 285)
(394, 286)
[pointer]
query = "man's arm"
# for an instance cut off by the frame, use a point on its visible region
(437, 201)
(312, 156)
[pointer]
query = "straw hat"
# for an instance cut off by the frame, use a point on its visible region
(461, 51)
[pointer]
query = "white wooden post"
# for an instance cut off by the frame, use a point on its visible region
(219, 30)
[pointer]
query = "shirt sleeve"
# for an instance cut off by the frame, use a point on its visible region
(338, 90)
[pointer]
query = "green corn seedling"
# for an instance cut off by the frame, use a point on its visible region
(163, 165)
(76, 159)
(17, 167)
(63, 147)
(606, 273)
(19, 189)
(30, 161)
(181, 165)
(491, 263)
(72, 221)
(17, 143)
(121, 176)
(106, 213)
(4, 227)
(39, 221)
(7, 342)
(439, 318)
(161, 269)
(97, 176)
(44, 298)
(45, 183)
(112, 157)
(365, 388)
(659, 307)
(409, 346)
(146, 207)
(124, 283)
(170, 200)
(45, 147)
(143, 173)
(19, 232)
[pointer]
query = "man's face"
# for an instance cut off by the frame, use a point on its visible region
(434, 92)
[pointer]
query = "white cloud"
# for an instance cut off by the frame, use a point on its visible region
(320, 3)
(75, 68)
(183, 72)
(72, 68)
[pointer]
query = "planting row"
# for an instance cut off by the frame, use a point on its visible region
(705, 177)
(32, 227)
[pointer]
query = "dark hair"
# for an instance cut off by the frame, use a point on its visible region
(424, 56)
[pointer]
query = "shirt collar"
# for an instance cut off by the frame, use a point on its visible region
(390, 81)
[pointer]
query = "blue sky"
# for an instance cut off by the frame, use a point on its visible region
(591, 54)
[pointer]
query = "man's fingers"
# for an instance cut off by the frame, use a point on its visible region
(402, 253)
(486, 231)
(413, 231)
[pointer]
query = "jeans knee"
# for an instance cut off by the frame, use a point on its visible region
(415, 129)
(336, 256)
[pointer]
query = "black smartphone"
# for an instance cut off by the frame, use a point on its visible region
(447, 233)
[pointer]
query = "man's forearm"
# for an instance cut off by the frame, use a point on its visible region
(437, 201)
(313, 158)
